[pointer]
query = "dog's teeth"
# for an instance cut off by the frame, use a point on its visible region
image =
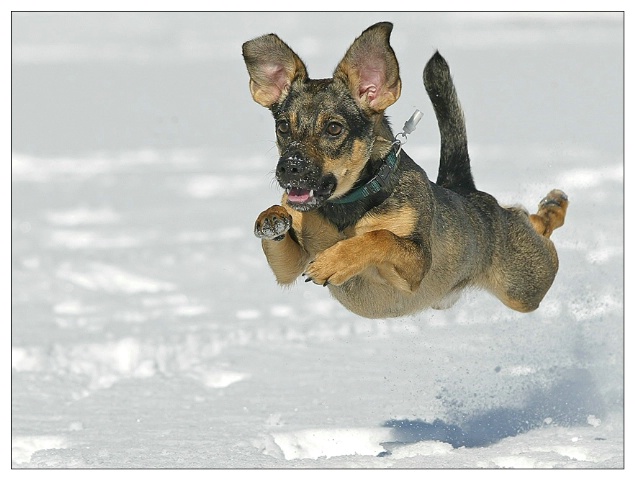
(311, 193)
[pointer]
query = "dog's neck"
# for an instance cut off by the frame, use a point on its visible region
(374, 186)
(378, 182)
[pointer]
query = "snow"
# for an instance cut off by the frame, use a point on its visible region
(147, 330)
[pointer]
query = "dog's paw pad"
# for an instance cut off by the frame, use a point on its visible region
(551, 213)
(272, 224)
(555, 198)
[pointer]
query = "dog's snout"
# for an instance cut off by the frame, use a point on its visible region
(291, 166)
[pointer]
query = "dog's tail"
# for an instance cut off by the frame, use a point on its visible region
(454, 168)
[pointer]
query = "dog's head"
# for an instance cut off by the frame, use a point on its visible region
(327, 130)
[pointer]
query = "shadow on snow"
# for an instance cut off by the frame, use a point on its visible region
(568, 402)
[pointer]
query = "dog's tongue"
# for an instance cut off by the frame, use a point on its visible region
(299, 195)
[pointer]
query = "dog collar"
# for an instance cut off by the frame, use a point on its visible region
(375, 184)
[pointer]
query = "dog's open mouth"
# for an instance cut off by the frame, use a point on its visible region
(303, 199)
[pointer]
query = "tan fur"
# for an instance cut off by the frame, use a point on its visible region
(394, 256)
(348, 169)
(401, 222)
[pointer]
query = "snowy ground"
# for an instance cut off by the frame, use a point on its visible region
(147, 330)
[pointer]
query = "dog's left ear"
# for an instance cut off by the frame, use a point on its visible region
(371, 70)
(272, 68)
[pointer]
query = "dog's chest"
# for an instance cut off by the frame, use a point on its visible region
(315, 233)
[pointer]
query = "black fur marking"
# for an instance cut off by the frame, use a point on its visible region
(454, 168)
(348, 214)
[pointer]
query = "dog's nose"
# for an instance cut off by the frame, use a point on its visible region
(291, 166)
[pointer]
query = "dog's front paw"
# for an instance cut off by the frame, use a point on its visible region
(318, 273)
(331, 267)
(273, 223)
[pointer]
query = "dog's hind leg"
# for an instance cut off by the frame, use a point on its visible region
(526, 263)
(551, 213)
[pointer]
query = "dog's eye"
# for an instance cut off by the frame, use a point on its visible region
(283, 127)
(334, 129)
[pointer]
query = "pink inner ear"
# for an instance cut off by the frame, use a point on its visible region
(277, 76)
(371, 80)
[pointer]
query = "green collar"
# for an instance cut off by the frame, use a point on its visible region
(375, 184)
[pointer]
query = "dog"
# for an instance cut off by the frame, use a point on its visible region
(359, 216)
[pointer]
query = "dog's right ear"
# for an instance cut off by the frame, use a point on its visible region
(272, 68)
(370, 69)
